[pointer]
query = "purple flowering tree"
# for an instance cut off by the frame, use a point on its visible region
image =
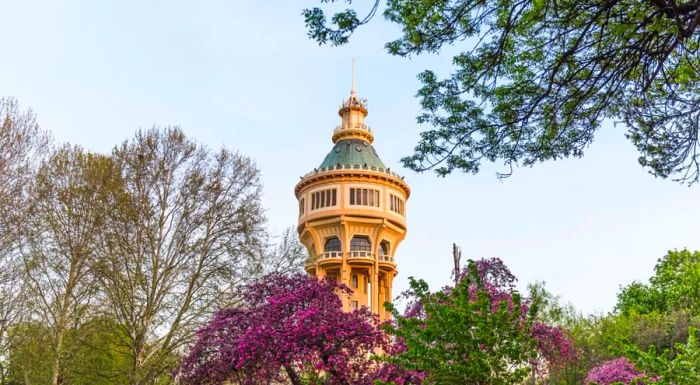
(288, 329)
(554, 347)
(617, 371)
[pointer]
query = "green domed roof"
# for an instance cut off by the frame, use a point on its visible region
(353, 152)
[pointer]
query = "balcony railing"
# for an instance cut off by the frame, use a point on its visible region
(356, 126)
(351, 255)
(361, 254)
(352, 167)
(331, 255)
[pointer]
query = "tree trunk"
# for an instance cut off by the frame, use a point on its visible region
(457, 257)
(56, 365)
(292, 375)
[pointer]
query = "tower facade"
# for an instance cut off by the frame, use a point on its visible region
(352, 213)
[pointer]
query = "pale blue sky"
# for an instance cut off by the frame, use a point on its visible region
(243, 74)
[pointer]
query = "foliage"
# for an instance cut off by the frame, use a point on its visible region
(480, 331)
(660, 330)
(600, 338)
(287, 329)
(29, 348)
(677, 366)
(640, 298)
(94, 355)
(674, 286)
(534, 79)
(653, 317)
(619, 371)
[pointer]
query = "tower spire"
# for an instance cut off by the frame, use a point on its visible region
(353, 111)
(352, 89)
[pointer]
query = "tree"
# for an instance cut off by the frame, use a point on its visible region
(649, 318)
(177, 236)
(94, 354)
(479, 332)
(287, 256)
(640, 298)
(535, 79)
(288, 329)
(594, 336)
(22, 144)
(681, 367)
(599, 338)
(30, 345)
(674, 286)
(66, 218)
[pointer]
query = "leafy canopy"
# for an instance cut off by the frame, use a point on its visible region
(535, 79)
(682, 367)
(674, 286)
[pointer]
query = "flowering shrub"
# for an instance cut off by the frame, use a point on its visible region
(479, 331)
(617, 371)
(288, 329)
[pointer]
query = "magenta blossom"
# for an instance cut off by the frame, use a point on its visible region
(288, 329)
(619, 370)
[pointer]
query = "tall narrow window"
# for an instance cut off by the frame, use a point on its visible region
(301, 206)
(355, 281)
(364, 197)
(384, 248)
(360, 243)
(325, 198)
(397, 204)
(332, 244)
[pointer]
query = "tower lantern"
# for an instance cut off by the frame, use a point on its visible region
(352, 213)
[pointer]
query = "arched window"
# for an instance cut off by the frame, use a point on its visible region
(355, 281)
(332, 244)
(360, 243)
(384, 248)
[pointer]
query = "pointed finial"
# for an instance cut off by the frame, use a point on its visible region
(352, 90)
